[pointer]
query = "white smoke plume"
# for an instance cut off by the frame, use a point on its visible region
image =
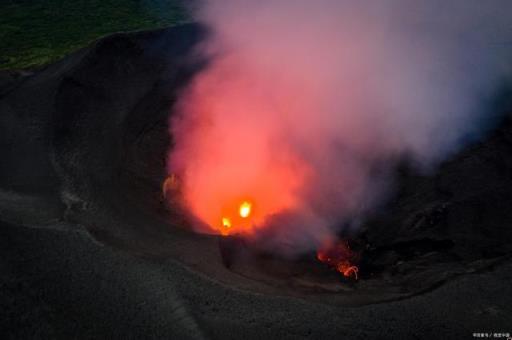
(307, 105)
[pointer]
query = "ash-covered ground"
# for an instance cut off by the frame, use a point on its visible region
(89, 249)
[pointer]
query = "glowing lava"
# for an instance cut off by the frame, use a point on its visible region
(226, 222)
(245, 209)
(339, 256)
(235, 223)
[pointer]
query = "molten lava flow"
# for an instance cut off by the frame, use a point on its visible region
(237, 218)
(226, 223)
(339, 256)
(245, 209)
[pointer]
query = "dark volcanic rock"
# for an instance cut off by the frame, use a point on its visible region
(89, 250)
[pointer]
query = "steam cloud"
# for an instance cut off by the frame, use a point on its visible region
(306, 106)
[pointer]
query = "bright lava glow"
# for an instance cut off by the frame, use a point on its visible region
(245, 209)
(339, 256)
(235, 218)
(226, 222)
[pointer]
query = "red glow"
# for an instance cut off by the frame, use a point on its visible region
(339, 256)
(235, 169)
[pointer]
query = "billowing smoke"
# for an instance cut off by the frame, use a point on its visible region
(306, 106)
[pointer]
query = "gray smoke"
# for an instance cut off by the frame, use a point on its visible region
(337, 91)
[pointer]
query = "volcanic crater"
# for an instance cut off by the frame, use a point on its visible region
(84, 141)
